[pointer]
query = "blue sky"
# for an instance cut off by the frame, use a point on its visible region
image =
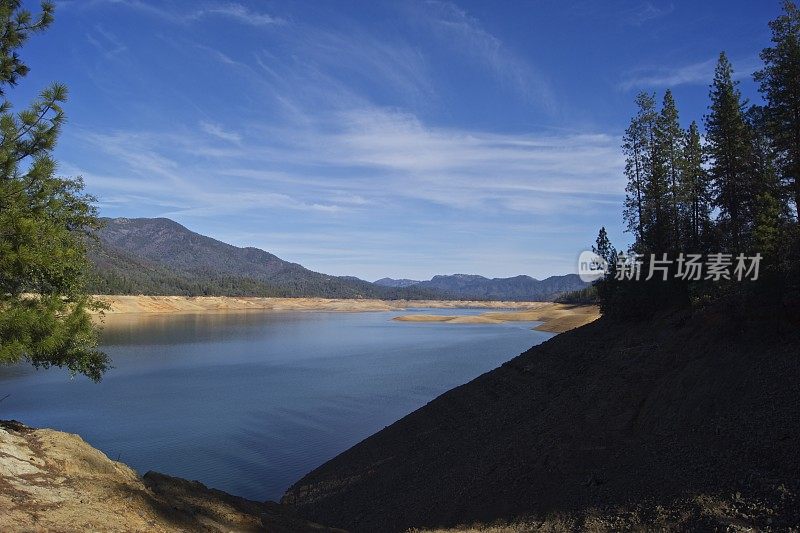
(401, 139)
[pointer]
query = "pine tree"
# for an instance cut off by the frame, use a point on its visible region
(728, 150)
(764, 160)
(637, 147)
(603, 248)
(772, 212)
(780, 84)
(669, 149)
(43, 221)
(656, 189)
(694, 194)
(603, 289)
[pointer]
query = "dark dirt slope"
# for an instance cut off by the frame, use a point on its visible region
(640, 423)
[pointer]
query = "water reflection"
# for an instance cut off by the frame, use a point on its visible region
(249, 402)
(157, 328)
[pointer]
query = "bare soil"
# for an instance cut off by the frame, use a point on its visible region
(204, 304)
(555, 318)
(55, 482)
(680, 423)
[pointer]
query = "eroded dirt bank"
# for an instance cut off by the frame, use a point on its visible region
(555, 318)
(55, 482)
(200, 304)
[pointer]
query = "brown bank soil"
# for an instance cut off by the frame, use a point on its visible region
(555, 318)
(204, 304)
(55, 482)
(684, 422)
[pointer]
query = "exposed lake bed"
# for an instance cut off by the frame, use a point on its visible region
(554, 317)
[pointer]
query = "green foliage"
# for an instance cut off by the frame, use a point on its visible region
(44, 308)
(602, 247)
(768, 234)
(669, 138)
(729, 150)
(780, 84)
(586, 296)
(746, 173)
(694, 194)
(17, 25)
(667, 193)
(46, 332)
(637, 146)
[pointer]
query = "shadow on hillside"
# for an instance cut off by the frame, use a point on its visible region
(679, 420)
(191, 506)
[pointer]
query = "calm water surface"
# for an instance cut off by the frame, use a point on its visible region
(250, 402)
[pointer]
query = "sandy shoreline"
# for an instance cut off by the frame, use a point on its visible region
(202, 304)
(556, 317)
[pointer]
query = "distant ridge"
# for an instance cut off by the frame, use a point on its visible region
(389, 282)
(473, 287)
(158, 256)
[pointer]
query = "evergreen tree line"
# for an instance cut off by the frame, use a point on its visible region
(733, 188)
(161, 281)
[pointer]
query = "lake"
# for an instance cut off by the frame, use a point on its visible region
(249, 402)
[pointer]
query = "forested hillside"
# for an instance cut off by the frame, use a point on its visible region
(515, 288)
(159, 256)
(471, 287)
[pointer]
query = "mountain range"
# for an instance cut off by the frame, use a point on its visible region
(472, 287)
(159, 256)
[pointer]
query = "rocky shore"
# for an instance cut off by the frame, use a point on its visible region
(52, 481)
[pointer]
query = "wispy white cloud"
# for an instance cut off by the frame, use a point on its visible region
(699, 73)
(647, 11)
(376, 156)
(473, 169)
(136, 5)
(230, 10)
(150, 179)
(106, 42)
(237, 12)
(357, 57)
(215, 130)
(465, 34)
